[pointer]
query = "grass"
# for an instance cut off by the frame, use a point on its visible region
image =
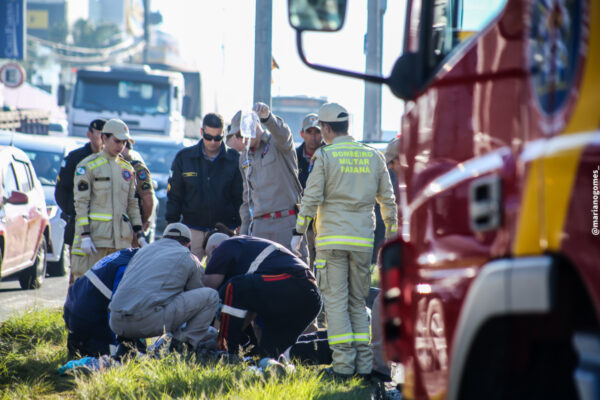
(33, 346)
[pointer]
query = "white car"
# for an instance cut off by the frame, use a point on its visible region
(46, 154)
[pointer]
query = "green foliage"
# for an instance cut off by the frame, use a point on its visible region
(33, 346)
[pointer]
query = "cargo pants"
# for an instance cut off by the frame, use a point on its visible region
(278, 230)
(344, 279)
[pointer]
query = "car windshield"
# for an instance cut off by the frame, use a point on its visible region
(158, 156)
(46, 165)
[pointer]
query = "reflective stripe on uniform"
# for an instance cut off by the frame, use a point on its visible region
(126, 165)
(97, 163)
(320, 264)
(98, 283)
(75, 239)
(83, 221)
(343, 338)
(78, 252)
(100, 217)
(362, 337)
(236, 312)
(301, 220)
(393, 228)
(345, 240)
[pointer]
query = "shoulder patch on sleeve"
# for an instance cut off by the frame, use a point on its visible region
(80, 171)
(83, 186)
(142, 174)
(146, 186)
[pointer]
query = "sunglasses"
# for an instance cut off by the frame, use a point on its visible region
(210, 138)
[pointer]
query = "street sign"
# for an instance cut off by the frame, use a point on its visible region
(12, 26)
(12, 75)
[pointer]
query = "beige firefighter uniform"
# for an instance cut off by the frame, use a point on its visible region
(105, 207)
(346, 179)
(271, 186)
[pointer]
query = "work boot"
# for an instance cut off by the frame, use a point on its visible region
(180, 347)
(331, 374)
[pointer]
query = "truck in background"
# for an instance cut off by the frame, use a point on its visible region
(150, 101)
(492, 288)
(293, 109)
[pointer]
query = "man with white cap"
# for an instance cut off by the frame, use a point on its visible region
(106, 211)
(346, 180)
(163, 288)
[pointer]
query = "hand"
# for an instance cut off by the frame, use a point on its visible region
(262, 110)
(142, 241)
(295, 243)
(87, 246)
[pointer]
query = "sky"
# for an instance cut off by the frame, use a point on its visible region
(217, 37)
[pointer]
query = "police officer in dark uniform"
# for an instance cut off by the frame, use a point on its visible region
(63, 192)
(205, 186)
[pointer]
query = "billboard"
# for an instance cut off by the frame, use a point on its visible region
(12, 28)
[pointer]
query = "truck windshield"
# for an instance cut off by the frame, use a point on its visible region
(123, 96)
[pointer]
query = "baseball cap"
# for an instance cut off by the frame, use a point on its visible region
(392, 150)
(332, 112)
(97, 124)
(310, 121)
(117, 128)
(178, 230)
(235, 124)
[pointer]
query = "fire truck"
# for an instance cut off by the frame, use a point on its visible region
(492, 288)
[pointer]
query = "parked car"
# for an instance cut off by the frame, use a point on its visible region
(24, 222)
(158, 153)
(46, 154)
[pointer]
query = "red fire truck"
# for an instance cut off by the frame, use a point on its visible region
(492, 288)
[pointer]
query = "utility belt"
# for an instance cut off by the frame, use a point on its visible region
(279, 214)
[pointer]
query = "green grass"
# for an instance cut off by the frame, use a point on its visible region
(33, 346)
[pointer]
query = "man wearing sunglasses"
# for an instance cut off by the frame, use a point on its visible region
(205, 186)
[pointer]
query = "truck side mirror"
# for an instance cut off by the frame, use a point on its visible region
(317, 15)
(186, 108)
(61, 95)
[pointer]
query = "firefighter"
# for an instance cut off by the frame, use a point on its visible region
(346, 180)
(260, 278)
(144, 192)
(270, 178)
(106, 210)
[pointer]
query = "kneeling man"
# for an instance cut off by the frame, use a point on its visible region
(162, 289)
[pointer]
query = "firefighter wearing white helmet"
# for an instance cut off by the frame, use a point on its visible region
(106, 210)
(346, 180)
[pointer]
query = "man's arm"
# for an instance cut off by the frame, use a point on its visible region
(144, 190)
(237, 194)
(196, 278)
(214, 280)
(133, 209)
(244, 208)
(386, 199)
(313, 193)
(63, 191)
(175, 192)
(82, 189)
(281, 133)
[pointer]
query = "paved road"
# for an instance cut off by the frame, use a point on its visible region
(13, 299)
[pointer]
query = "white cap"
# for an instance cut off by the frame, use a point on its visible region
(333, 112)
(117, 128)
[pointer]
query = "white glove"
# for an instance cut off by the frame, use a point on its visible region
(87, 246)
(262, 110)
(295, 243)
(142, 241)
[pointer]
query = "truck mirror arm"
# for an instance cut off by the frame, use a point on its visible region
(337, 71)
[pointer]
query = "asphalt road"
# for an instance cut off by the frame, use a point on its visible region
(13, 299)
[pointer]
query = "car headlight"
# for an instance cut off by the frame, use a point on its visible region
(51, 210)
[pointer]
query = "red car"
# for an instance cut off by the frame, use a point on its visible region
(24, 223)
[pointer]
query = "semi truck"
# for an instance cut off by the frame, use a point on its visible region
(149, 101)
(293, 109)
(491, 290)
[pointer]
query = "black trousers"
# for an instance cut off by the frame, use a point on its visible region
(284, 304)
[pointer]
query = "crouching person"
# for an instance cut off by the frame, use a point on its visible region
(258, 277)
(86, 308)
(161, 290)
